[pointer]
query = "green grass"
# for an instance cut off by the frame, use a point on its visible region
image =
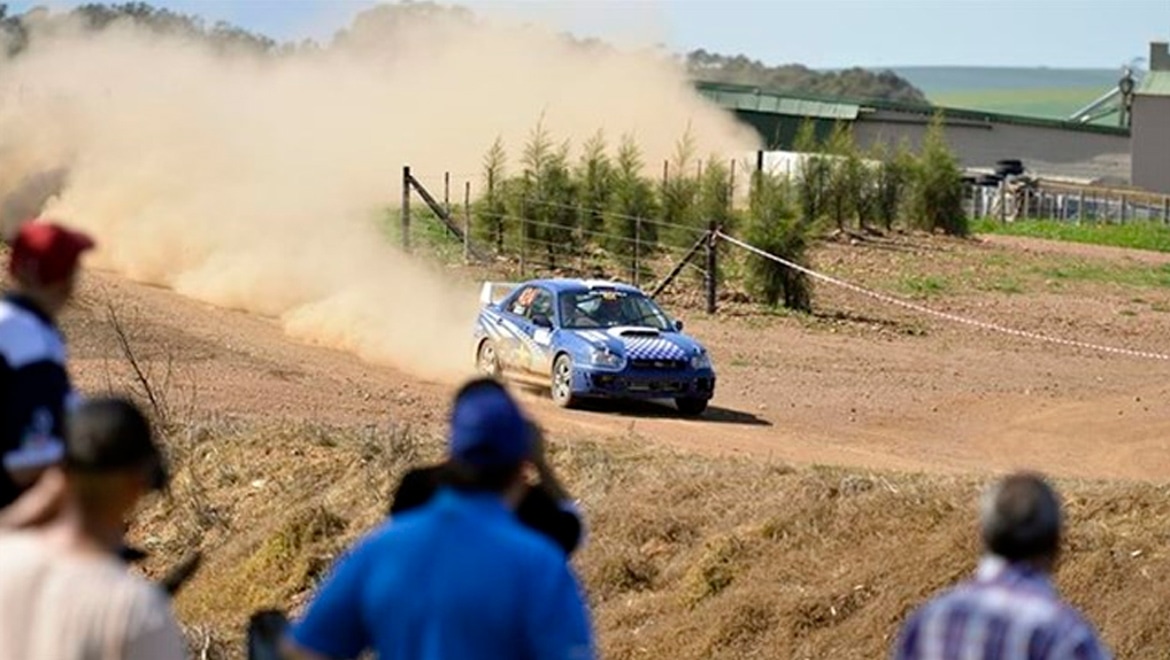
(1139, 235)
(923, 285)
(1084, 271)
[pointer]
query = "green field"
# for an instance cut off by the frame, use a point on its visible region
(1139, 235)
(1039, 92)
(1055, 103)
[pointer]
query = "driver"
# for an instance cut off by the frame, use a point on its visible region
(609, 311)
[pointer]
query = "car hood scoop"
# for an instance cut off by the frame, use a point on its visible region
(633, 331)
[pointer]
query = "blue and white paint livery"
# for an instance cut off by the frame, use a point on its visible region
(590, 338)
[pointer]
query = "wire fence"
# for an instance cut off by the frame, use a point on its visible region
(1049, 200)
(585, 241)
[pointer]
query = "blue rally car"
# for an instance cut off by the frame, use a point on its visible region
(590, 338)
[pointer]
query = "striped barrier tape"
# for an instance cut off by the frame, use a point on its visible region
(995, 327)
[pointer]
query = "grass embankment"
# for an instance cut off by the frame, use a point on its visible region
(1138, 235)
(686, 558)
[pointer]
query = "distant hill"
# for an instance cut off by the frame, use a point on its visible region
(1036, 91)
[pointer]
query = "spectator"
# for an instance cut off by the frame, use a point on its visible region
(545, 507)
(1010, 610)
(34, 382)
(64, 592)
(459, 578)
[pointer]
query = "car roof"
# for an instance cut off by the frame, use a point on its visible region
(568, 284)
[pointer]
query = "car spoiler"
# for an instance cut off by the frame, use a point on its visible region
(492, 293)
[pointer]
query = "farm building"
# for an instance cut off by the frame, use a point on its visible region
(1151, 123)
(1054, 148)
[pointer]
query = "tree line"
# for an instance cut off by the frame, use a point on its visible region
(604, 208)
(379, 25)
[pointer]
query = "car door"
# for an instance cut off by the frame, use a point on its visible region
(511, 347)
(539, 326)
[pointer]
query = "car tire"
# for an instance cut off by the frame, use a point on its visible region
(561, 385)
(487, 361)
(691, 407)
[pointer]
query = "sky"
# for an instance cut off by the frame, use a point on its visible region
(1099, 34)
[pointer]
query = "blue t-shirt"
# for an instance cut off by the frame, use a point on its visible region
(460, 578)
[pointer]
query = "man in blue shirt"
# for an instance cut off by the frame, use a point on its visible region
(460, 577)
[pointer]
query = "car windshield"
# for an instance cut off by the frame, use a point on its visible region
(610, 308)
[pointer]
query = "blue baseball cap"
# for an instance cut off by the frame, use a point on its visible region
(487, 427)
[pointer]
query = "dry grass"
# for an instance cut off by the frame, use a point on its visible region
(686, 557)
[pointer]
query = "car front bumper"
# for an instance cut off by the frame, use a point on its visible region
(591, 381)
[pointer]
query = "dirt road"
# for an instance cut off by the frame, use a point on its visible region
(873, 390)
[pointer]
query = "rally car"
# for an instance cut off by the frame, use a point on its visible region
(590, 339)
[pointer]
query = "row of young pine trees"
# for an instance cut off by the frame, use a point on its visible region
(604, 207)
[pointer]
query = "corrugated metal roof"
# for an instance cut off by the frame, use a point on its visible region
(759, 101)
(749, 99)
(1155, 83)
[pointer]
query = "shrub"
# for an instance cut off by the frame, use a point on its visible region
(775, 227)
(936, 194)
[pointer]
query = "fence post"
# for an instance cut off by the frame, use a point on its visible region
(712, 228)
(405, 215)
(1003, 201)
(1081, 206)
(1123, 204)
(523, 237)
(637, 274)
(1166, 210)
(447, 193)
(466, 221)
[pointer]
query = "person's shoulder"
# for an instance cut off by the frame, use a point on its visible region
(23, 338)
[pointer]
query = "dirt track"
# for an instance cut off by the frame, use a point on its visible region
(882, 388)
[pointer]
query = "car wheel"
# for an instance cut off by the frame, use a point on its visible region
(691, 407)
(486, 360)
(562, 382)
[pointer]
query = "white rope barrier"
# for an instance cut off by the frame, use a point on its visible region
(994, 327)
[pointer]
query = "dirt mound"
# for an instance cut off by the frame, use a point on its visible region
(721, 558)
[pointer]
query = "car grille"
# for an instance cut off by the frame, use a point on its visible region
(658, 364)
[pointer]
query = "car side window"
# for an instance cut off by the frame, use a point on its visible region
(532, 301)
(542, 304)
(522, 302)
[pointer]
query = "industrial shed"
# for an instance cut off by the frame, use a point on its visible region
(1151, 123)
(1056, 148)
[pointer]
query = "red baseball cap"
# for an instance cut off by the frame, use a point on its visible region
(46, 250)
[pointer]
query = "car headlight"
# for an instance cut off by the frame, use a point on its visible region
(701, 361)
(600, 357)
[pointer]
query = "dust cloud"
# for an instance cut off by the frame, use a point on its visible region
(256, 183)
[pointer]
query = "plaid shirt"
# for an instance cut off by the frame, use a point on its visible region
(1007, 612)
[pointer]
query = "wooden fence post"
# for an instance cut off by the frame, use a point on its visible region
(466, 221)
(1166, 210)
(405, 215)
(712, 265)
(636, 276)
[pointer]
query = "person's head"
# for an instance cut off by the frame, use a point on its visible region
(490, 441)
(44, 260)
(111, 459)
(1021, 520)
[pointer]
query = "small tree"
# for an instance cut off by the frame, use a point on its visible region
(936, 201)
(558, 193)
(678, 194)
(490, 211)
(595, 181)
(631, 203)
(844, 180)
(812, 181)
(891, 180)
(775, 226)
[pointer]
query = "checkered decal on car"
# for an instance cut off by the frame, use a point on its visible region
(642, 348)
(652, 348)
